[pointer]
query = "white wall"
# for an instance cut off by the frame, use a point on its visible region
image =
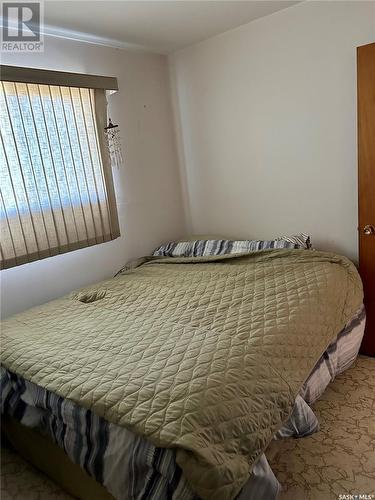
(267, 120)
(147, 188)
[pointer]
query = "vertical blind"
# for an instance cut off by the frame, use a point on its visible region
(55, 176)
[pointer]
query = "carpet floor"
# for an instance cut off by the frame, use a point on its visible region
(338, 460)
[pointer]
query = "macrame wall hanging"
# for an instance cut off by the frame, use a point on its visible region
(112, 136)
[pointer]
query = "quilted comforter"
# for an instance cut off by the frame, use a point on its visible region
(205, 355)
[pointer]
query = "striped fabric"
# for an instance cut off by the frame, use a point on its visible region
(128, 465)
(302, 422)
(337, 358)
(200, 248)
(303, 240)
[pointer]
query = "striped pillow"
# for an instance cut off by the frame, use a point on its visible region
(303, 240)
(201, 248)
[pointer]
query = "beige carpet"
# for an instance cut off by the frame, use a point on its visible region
(20, 481)
(337, 460)
(340, 458)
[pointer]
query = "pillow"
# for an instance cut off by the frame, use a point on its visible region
(200, 248)
(303, 240)
(196, 237)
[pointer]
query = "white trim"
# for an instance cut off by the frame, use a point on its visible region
(80, 36)
(97, 40)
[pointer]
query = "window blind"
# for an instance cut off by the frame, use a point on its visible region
(56, 188)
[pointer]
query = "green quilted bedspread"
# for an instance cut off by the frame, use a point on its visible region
(205, 355)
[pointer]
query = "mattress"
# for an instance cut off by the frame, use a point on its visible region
(129, 466)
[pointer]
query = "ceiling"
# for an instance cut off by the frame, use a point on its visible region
(159, 26)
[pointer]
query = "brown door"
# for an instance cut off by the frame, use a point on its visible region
(366, 187)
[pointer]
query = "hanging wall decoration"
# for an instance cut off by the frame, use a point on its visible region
(112, 135)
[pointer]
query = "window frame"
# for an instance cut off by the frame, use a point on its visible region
(99, 85)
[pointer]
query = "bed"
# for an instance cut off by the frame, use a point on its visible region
(170, 380)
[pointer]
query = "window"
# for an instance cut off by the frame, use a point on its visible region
(55, 175)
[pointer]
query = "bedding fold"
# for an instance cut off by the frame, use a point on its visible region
(205, 354)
